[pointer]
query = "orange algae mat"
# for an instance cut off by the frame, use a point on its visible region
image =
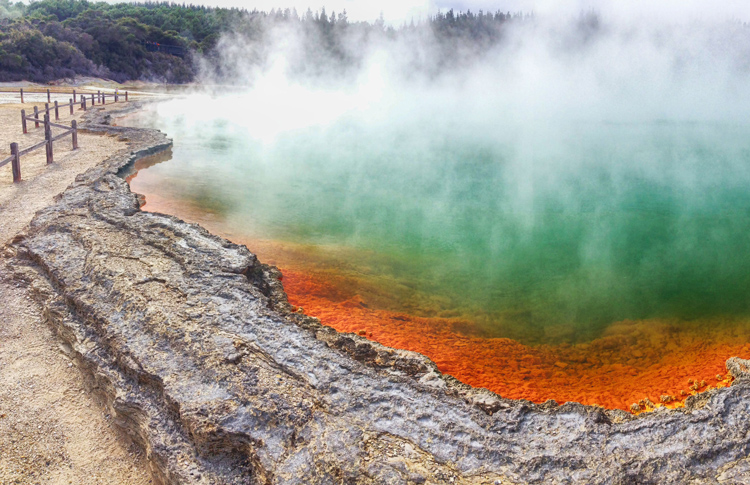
(631, 361)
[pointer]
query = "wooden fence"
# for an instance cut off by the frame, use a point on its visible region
(99, 95)
(48, 143)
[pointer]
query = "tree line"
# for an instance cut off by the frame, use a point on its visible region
(168, 42)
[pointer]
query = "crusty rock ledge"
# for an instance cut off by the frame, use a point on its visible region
(191, 341)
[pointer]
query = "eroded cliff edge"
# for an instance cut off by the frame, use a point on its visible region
(190, 340)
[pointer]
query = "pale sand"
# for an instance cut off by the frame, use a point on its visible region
(51, 429)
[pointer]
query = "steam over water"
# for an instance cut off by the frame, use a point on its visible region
(537, 233)
(562, 215)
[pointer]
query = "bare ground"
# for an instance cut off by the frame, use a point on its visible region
(51, 429)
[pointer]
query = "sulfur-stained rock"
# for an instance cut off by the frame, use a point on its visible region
(738, 368)
(203, 362)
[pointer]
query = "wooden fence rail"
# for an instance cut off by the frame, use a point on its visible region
(48, 143)
(15, 154)
(100, 96)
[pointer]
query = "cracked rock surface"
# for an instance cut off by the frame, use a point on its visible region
(190, 339)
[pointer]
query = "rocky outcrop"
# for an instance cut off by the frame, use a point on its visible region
(191, 341)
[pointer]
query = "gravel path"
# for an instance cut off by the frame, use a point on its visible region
(52, 430)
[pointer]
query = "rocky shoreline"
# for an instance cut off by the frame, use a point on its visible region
(190, 340)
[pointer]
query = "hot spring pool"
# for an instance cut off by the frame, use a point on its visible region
(596, 262)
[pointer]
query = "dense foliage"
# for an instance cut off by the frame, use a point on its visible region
(52, 39)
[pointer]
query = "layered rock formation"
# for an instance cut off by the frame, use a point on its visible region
(192, 343)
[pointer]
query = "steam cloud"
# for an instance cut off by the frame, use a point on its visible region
(588, 66)
(507, 158)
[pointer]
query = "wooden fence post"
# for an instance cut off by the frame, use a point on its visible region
(83, 103)
(46, 108)
(71, 106)
(49, 100)
(23, 121)
(126, 96)
(93, 103)
(48, 137)
(104, 98)
(99, 96)
(36, 116)
(74, 125)
(57, 112)
(21, 95)
(74, 95)
(15, 163)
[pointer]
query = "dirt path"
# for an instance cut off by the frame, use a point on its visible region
(41, 182)
(51, 429)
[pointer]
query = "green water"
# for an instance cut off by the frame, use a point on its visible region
(541, 233)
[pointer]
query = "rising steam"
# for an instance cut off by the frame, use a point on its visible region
(554, 169)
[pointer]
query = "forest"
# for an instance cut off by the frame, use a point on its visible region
(171, 43)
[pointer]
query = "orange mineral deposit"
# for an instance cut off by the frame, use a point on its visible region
(587, 373)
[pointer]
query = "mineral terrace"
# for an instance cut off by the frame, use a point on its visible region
(191, 341)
